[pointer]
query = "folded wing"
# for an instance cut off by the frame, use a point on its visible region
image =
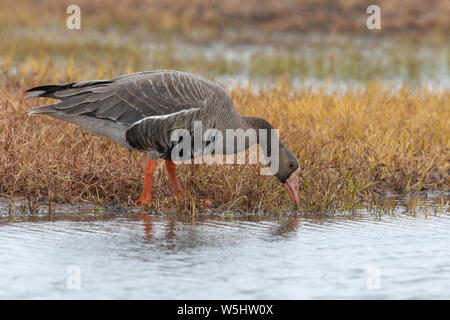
(127, 99)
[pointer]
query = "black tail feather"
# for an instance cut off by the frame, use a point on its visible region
(51, 91)
(51, 87)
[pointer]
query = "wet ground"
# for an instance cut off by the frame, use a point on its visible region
(305, 60)
(112, 254)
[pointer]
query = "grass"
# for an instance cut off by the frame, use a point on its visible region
(204, 19)
(116, 39)
(29, 58)
(340, 58)
(353, 148)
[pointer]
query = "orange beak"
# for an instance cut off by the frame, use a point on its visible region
(292, 189)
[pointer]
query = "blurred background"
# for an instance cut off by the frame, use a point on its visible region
(234, 42)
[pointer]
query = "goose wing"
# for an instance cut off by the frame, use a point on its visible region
(126, 99)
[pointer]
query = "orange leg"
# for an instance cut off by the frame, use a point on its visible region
(176, 187)
(146, 196)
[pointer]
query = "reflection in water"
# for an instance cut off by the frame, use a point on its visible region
(143, 256)
(147, 221)
(148, 225)
(170, 232)
(289, 226)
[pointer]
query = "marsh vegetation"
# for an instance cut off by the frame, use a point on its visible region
(384, 132)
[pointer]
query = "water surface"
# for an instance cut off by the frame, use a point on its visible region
(139, 256)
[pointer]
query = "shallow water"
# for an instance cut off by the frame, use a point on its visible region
(136, 256)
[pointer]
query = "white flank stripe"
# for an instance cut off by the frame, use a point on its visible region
(165, 116)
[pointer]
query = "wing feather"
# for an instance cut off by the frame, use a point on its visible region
(127, 99)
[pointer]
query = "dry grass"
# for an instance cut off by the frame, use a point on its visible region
(138, 35)
(199, 19)
(352, 147)
(26, 59)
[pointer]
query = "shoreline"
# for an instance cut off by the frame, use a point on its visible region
(409, 203)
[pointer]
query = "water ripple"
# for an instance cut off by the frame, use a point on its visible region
(365, 256)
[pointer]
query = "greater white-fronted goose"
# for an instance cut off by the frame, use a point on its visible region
(140, 110)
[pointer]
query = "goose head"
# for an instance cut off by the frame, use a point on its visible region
(288, 165)
(282, 162)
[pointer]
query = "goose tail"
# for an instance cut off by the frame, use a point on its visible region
(44, 109)
(61, 92)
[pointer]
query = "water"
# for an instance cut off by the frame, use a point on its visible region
(137, 256)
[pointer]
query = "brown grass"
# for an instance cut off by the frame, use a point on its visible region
(211, 18)
(352, 147)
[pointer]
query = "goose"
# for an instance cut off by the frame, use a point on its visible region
(139, 111)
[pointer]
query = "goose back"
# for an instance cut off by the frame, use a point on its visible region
(138, 111)
(127, 99)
